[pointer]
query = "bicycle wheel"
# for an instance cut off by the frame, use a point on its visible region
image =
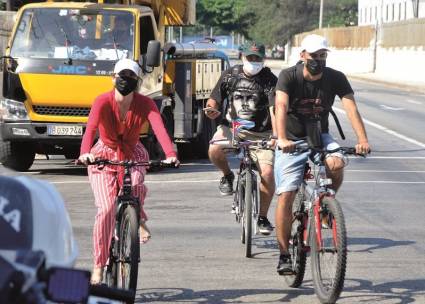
(248, 214)
(296, 242)
(128, 264)
(111, 268)
(328, 262)
(237, 197)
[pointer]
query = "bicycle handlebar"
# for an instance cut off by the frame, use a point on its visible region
(130, 163)
(262, 143)
(302, 146)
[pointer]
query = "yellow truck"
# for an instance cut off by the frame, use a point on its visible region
(61, 56)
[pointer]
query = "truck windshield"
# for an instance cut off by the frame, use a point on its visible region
(74, 34)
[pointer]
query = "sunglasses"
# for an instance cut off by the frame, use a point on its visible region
(322, 55)
(126, 73)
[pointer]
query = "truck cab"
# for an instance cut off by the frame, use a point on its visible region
(61, 57)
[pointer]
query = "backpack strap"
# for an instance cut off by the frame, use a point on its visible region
(299, 91)
(338, 125)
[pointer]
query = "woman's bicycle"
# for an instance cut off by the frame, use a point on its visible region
(246, 195)
(318, 227)
(124, 253)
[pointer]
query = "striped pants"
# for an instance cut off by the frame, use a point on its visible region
(105, 188)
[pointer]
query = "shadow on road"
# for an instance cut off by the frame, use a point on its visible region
(356, 291)
(184, 295)
(400, 292)
(375, 243)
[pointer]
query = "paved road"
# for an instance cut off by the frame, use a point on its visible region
(195, 255)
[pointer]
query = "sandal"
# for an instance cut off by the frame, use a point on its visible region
(145, 234)
(96, 276)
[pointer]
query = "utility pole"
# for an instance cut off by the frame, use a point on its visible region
(321, 14)
(9, 4)
(415, 8)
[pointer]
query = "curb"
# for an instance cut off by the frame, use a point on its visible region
(399, 85)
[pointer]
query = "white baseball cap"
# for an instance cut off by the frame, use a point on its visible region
(313, 43)
(126, 64)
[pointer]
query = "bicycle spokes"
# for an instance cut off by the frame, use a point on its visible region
(329, 251)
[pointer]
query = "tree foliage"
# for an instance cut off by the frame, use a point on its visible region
(228, 15)
(274, 21)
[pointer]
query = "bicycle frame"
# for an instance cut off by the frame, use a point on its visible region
(316, 194)
(247, 165)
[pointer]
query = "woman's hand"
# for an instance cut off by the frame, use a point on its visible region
(86, 158)
(172, 160)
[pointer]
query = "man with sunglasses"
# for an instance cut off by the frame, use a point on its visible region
(304, 97)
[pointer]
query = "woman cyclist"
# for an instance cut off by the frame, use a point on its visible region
(118, 115)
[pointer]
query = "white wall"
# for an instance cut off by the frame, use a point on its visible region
(405, 64)
(349, 60)
(371, 11)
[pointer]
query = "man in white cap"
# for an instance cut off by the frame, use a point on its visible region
(304, 97)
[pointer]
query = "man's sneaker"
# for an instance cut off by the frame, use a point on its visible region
(284, 267)
(264, 226)
(226, 184)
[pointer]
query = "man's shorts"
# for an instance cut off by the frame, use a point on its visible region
(289, 167)
(260, 156)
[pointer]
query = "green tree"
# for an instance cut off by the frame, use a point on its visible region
(226, 15)
(340, 13)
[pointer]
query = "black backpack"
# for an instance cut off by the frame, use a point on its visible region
(324, 87)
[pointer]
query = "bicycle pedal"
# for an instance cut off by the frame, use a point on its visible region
(286, 272)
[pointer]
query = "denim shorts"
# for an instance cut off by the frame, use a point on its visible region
(289, 167)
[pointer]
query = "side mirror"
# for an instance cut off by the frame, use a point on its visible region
(153, 54)
(61, 281)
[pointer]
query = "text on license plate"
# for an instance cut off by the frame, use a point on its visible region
(65, 130)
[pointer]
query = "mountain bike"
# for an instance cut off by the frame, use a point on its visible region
(246, 195)
(124, 253)
(318, 227)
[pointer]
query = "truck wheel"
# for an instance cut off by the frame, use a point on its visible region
(18, 156)
(186, 151)
(72, 154)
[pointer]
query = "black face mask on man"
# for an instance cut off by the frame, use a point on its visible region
(315, 66)
(125, 85)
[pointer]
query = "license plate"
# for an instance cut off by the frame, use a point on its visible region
(58, 130)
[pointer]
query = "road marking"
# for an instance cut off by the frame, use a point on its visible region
(214, 180)
(390, 108)
(391, 157)
(385, 171)
(413, 101)
(389, 131)
(383, 182)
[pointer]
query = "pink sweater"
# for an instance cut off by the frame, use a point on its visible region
(123, 136)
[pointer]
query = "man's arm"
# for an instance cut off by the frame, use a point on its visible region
(282, 104)
(273, 118)
(357, 123)
(217, 96)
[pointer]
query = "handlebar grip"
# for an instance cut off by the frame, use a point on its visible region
(104, 291)
(168, 165)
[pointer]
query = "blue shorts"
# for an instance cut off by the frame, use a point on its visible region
(289, 167)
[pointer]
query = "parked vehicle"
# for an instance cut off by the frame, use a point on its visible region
(61, 55)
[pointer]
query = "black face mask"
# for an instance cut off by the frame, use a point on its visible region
(125, 85)
(315, 67)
